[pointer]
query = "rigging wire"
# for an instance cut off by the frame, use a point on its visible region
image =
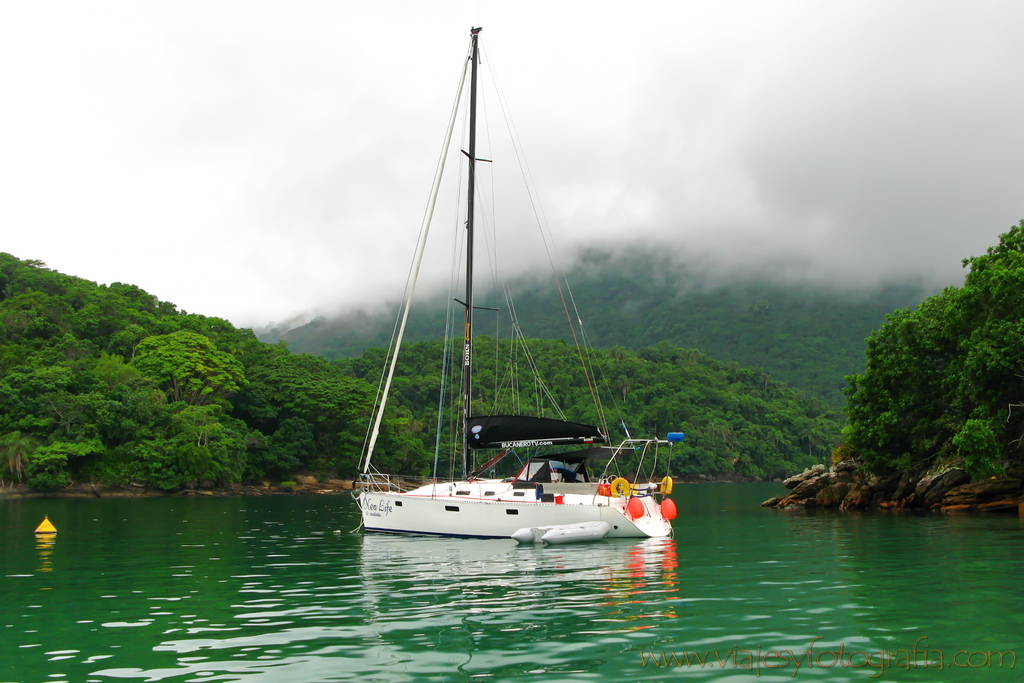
(447, 390)
(452, 351)
(488, 217)
(414, 273)
(446, 362)
(541, 220)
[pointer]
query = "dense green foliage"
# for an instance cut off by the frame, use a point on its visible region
(108, 384)
(810, 338)
(943, 382)
(737, 420)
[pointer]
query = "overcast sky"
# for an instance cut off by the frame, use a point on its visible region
(265, 160)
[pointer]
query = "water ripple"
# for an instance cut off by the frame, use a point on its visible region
(287, 600)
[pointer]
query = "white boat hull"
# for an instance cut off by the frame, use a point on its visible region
(431, 510)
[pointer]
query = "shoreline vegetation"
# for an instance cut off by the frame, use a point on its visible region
(841, 487)
(303, 486)
(207, 489)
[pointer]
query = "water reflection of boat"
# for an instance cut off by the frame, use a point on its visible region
(479, 575)
(495, 609)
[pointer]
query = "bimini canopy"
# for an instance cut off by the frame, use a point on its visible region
(597, 453)
(520, 431)
(560, 467)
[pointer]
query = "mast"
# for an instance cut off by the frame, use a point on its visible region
(467, 349)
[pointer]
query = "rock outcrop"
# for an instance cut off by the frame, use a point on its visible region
(842, 486)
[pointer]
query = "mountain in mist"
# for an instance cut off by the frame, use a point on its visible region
(809, 336)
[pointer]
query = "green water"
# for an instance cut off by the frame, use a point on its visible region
(266, 589)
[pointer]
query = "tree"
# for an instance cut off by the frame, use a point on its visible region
(48, 465)
(189, 367)
(210, 445)
(16, 448)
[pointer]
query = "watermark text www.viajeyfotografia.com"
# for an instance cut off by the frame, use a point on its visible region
(759, 660)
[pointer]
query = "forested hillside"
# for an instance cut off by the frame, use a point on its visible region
(944, 384)
(809, 337)
(111, 385)
(737, 420)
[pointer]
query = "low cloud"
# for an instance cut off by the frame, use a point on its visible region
(264, 163)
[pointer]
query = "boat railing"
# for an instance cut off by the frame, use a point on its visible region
(632, 443)
(392, 483)
(641, 447)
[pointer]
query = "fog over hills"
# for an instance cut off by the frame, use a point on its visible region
(809, 335)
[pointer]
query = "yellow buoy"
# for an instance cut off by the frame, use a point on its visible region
(46, 527)
(666, 485)
(620, 487)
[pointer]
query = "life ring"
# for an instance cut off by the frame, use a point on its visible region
(666, 485)
(621, 488)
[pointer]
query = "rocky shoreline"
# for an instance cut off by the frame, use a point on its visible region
(844, 487)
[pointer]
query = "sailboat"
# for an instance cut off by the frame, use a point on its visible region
(573, 490)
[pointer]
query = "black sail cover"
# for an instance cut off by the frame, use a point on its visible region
(520, 431)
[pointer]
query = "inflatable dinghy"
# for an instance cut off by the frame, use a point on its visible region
(563, 533)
